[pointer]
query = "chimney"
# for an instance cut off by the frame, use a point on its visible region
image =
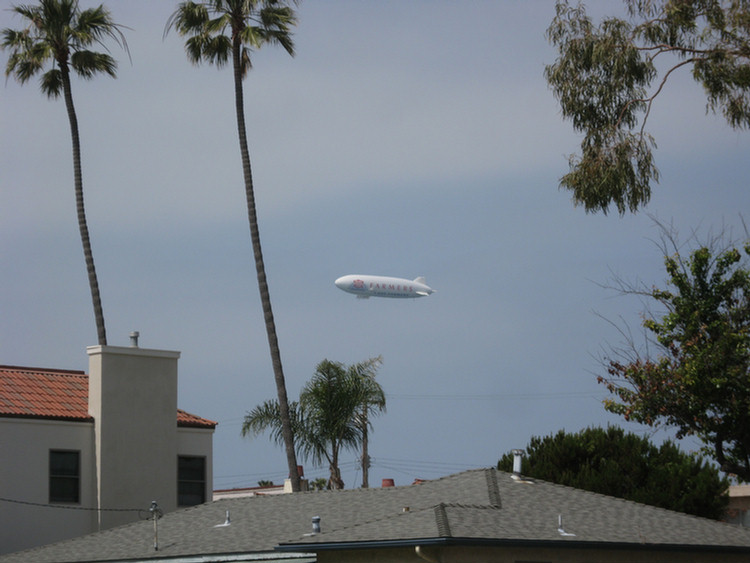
(388, 483)
(304, 484)
(133, 401)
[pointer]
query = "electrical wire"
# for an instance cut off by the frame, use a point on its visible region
(495, 396)
(415, 467)
(67, 507)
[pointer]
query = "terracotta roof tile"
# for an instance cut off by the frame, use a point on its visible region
(187, 419)
(44, 393)
(57, 394)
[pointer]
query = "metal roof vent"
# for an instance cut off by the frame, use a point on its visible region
(516, 476)
(316, 524)
(517, 457)
(560, 529)
(226, 523)
(134, 339)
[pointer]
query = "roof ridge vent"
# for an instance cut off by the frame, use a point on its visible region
(441, 519)
(493, 491)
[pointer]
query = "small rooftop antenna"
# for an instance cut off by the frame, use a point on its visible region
(156, 514)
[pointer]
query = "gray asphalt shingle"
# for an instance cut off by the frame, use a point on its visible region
(477, 505)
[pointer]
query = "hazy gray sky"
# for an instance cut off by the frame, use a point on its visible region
(405, 139)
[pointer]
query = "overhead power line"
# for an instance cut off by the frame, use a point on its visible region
(497, 396)
(68, 507)
(416, 468)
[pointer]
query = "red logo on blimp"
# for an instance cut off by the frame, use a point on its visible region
(358, 284)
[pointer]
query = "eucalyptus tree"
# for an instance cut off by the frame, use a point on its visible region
(220, 31)
(332, 413)
(608, 76)
(59, 35)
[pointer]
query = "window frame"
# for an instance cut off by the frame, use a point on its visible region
(64, 487)
(187, 486)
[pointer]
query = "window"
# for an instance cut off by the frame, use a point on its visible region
(64, 476)
(191, 480)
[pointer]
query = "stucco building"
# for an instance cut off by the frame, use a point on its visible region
(738, 511)
(86, 452)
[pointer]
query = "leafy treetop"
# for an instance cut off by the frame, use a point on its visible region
(625, 465)
(58, 32)
(606, 79)
(699, 382)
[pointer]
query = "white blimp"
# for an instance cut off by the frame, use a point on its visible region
(364, 286)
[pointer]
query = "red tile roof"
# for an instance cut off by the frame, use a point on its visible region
(58, 394)
(187, 419)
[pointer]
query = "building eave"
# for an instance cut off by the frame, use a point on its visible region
(88, 419)
(494, 542)
(261, 557)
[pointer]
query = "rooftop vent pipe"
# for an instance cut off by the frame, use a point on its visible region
(134, 339)
(517, 456)
(316, 524)
(227, 522)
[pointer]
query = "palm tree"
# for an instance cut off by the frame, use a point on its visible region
(372, 403)
(331, 414)
(217, 29)
(59, 33)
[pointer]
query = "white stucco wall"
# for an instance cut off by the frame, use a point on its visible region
(198, 442)
(24, 476)
(133, 397)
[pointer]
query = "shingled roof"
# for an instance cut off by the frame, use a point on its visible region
(59, 395)
(482, 507)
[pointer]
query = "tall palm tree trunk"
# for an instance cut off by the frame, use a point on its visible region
(335, 481)
(365, 452)
(80, 209)
(265, 297)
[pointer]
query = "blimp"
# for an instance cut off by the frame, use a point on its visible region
(365, 286)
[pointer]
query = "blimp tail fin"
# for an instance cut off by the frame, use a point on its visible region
(421, 280)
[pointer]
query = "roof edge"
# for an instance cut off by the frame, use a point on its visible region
(210, 425)
(482, 542)
(47, 417)
(131, 351)
(44, 370)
